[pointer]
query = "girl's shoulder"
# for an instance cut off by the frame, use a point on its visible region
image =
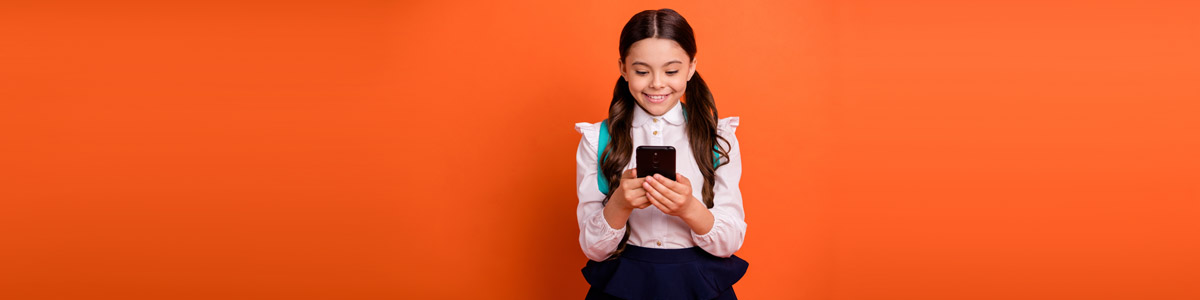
(583, 127)
(727, 125)
(590, 132)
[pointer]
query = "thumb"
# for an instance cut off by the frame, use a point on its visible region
(629, 173)
(682, 179)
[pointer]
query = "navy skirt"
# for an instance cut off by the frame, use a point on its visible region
(648, 273)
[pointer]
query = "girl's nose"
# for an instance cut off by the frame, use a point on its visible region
(657, 83)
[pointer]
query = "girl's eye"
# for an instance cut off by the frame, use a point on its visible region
(641, 72)
(672, 72)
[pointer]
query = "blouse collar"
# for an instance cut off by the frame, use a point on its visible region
(674, 116)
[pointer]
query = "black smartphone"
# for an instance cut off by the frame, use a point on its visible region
(656, 160)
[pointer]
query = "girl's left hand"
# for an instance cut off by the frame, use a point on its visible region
(671, 197)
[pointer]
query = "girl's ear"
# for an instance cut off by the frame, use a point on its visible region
(692, 69)
(621, 68)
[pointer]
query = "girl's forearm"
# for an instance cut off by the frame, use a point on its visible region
(616, 215)
(700, 220)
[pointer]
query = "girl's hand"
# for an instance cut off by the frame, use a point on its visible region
(630, 194)
(672, 197)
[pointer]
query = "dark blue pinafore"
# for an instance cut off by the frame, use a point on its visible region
(648, 273)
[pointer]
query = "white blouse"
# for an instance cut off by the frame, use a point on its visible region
(651, 227)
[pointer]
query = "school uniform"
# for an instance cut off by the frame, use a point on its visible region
(664, 258)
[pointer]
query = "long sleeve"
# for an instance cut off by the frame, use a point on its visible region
(596, 237)
(729, 225)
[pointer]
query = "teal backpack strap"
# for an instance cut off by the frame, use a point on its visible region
(601, 180)
(716, 157)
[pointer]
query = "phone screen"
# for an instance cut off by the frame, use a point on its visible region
(656, 160)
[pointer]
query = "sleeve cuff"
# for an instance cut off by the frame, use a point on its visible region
(706, 238)
(606, 231)
(722, 240)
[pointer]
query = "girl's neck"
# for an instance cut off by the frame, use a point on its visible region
(672, 116)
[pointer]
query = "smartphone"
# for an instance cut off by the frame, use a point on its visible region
(656, 160)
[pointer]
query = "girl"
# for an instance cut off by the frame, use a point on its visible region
(652, 237)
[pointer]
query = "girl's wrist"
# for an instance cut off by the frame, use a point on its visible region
(695, 213)
(617, 201)
(701, 220)
(616, 215)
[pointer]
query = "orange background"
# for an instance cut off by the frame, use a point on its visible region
(416, 150)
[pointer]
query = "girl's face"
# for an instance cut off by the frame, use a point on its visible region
(657, 71)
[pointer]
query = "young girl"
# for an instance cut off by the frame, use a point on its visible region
(652, 237)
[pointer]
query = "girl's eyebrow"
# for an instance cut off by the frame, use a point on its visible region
(666, 64)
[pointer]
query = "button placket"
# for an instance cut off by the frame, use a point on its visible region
(656, 131)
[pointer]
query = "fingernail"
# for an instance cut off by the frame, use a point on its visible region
(658, 176)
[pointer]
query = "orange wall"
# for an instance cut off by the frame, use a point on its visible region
(416, 150)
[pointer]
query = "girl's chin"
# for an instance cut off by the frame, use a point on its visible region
(658, 108)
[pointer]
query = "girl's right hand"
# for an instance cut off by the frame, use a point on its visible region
(630, 194)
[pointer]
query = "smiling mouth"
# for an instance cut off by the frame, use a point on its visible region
(656, 98)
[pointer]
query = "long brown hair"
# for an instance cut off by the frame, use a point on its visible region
(701, 121)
